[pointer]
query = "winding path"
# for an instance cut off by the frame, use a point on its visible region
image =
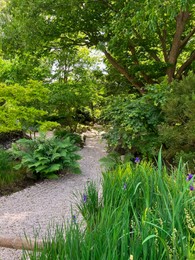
(36, 207)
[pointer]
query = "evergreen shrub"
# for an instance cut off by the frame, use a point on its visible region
(177, 133)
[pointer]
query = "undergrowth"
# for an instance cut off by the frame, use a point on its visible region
(144, 212)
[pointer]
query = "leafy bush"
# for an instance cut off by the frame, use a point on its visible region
(178, 131)
(8, 175)
(143, 213)
(74, 137)
(45, 157)
(5, 165)
(113, 159)
(134, 122)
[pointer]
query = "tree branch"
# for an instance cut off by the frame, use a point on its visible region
(181, 20)
(138, 85)
(150, 52)
(162, 38)
(187, 38)
(186, 64)
(136, 62)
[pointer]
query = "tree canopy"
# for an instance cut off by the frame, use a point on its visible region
(143, 40)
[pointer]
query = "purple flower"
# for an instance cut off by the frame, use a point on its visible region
(73, 218)
(84, 198)
(137, 160)
(125, 186)
(190, 176)
(191, 187)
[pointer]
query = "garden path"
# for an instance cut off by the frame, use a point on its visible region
(36, 207)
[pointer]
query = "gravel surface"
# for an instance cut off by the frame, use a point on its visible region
(36, 207)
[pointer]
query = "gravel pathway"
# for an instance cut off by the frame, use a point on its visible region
(36, 207)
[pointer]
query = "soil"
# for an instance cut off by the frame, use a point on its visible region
(17, 186)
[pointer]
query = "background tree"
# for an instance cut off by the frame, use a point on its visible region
(143, 40)
(23, 107)
(76, 89)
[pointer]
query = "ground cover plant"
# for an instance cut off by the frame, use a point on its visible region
(10, 179)
(6, 168)
(143, 212)
(74, 137)
(46, 157)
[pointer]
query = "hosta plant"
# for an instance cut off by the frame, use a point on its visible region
(46, 157)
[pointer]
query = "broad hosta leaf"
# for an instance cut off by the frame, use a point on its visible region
(53, 168)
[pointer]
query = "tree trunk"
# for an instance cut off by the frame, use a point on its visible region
(181, 20)
(20, 243)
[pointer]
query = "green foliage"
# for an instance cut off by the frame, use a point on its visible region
(46, 157)
(134, 122)
(21, 68)
(139, 35)
(90, 204)
(74, 137)
(75, 94)
(21, 107)
(142, 213)
(5, 161)
(113, 159)
(7, 174)
(178, 131)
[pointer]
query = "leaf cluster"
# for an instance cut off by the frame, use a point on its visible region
(178, 131)
(22, 107)
(134, 122)
(142, 212)
(46, 157)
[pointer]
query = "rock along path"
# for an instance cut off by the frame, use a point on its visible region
(36, 207)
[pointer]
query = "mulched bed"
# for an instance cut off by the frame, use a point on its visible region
(17, 186)
(6, 139)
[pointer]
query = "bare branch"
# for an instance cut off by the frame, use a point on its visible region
(187, 38)
(186, 64)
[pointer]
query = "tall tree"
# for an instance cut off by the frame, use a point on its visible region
(143, 40)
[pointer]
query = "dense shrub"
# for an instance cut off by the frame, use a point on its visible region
(177, 133)
(46, 157)
(5, 166)
(134, 122)
(143, 213)
(74, 137)
(8, 176)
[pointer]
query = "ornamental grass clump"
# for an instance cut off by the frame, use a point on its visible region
(144, 212)
(7, 173)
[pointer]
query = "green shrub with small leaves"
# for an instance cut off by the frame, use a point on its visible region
(134, 122)
(74, 137)
(46, 157)
(177, 133)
